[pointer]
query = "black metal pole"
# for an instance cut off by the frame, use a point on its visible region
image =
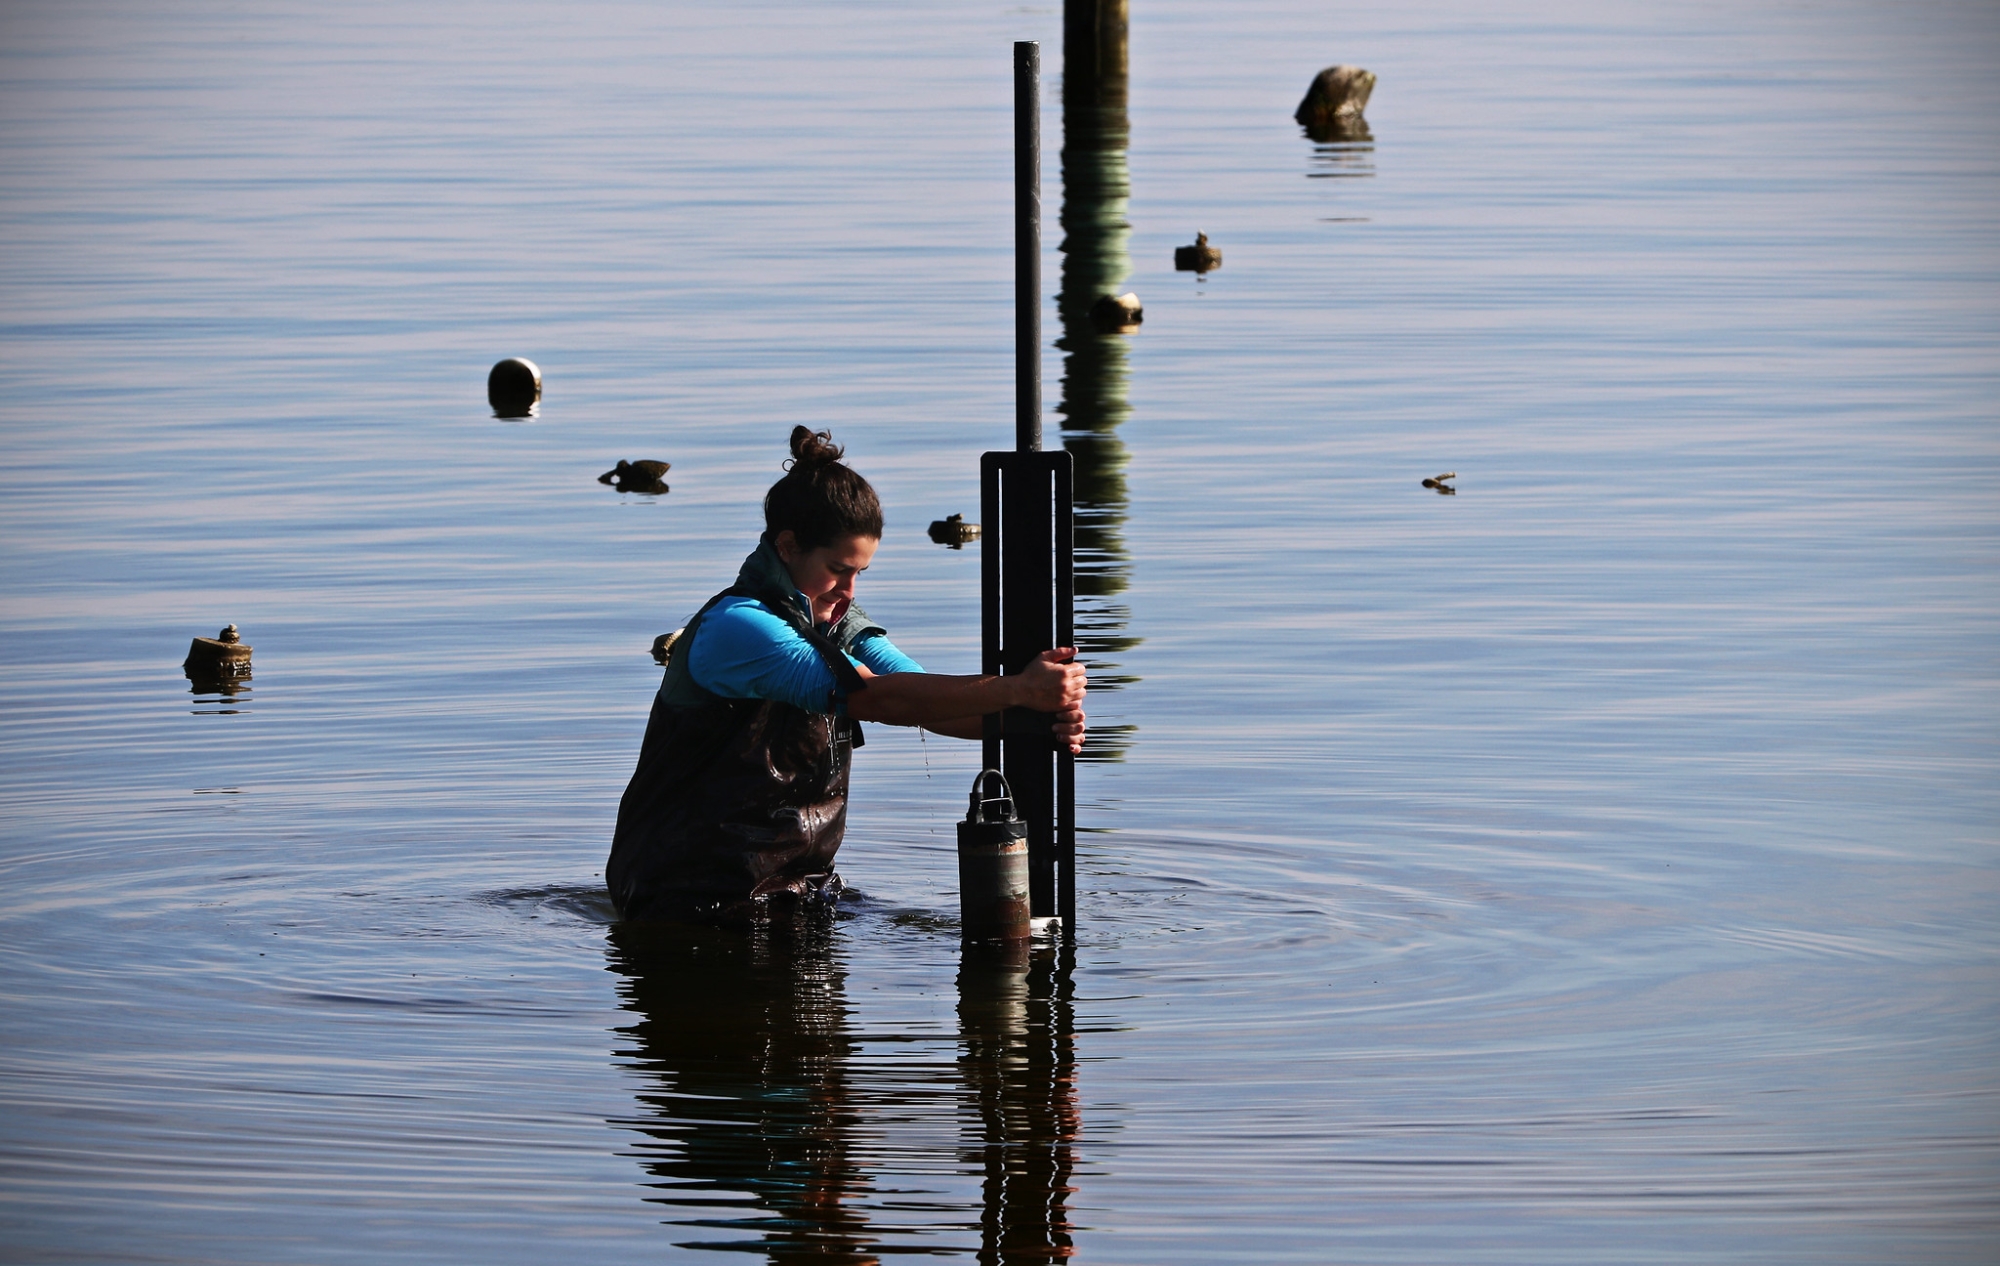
(1026, 580)
(1026, 571)
(1027, 246)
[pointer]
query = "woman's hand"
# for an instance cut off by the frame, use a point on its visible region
(1054, 682)
(1069, 729)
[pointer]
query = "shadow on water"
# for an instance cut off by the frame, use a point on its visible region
(761, 1117)
(1097, 190)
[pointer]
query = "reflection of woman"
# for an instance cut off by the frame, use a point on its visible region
(742, 1039)
(762, 1111)
(741, 790)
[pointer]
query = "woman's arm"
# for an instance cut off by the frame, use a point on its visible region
(1068, 727)
(1052, 682)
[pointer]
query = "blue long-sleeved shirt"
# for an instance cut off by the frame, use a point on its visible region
(742, 651)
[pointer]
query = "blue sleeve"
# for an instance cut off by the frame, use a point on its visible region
(742, 651)
(882, 656)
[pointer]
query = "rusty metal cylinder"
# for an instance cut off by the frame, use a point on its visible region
(993, 864)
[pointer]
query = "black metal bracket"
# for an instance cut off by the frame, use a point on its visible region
(1027, 605)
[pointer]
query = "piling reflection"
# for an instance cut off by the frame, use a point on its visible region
(1096, 383)
(762, 1122)
(1017, 1034)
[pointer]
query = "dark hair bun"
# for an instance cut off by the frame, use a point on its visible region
(813, 449)
(820, 500)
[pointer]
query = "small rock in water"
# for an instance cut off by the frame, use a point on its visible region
(954, 531)
(643, 476)
(514, 388)
(1442, 488)
(1117, 313)
(1332, 107)
(1198, 258)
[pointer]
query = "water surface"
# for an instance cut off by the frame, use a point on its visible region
(1595, 865)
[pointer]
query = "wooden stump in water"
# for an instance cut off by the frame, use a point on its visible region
(224, 655)
(1199, 258)
(1333, 104)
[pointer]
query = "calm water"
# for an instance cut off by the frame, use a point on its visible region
(1596, 865)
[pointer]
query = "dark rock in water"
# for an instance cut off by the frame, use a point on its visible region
(224, 655)
(641, 476)
(1117, 314)
(1333, 104)
(514, 388)
(1349, 130)
(954, 531)
(1199, 258)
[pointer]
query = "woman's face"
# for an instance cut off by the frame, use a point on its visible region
(826, 574)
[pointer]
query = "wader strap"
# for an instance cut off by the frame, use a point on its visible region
(846, 680)
(778, 601)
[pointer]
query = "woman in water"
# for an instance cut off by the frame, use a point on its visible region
(741, 791)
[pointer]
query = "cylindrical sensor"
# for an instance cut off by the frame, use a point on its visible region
(993, 864)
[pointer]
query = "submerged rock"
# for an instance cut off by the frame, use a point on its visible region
(1331, 110)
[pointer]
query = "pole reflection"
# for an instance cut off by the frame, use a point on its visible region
(1017, 1034)
(762, 1124)
(1096, 382)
